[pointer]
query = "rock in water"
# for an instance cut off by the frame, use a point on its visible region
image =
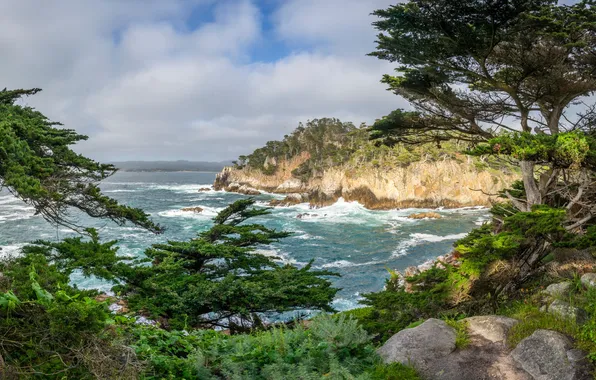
(192, 209)
(420, 345)
(548, 355)
(204, 189)
(425, 215)
(289, 200)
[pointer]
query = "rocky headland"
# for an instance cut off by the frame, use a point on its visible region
(449, 183)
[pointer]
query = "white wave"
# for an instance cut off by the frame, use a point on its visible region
(15, 216)
(11, 250)
(208, 212)
(481, 220)
(305, 236)
(434, 238)
(420, 238)
(278, 256)
(9, 198)
(343, 304)
(183, 189)
(348, 264)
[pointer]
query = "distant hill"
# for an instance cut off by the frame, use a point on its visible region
(170, 166)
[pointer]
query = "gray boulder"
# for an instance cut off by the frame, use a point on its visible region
(558, 290)
(421, 345)
(566, 311)
(493, 328)
(589, 280)
(548, 355)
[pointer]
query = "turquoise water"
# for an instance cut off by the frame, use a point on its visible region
(346, 238)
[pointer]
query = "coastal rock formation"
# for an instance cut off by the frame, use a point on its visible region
(290, 200)
(192, 209)
(450, 183)
(235, 187)
(425, 215)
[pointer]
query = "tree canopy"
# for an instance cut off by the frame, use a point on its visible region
(38, 166)
(513, 78)
(217, 279)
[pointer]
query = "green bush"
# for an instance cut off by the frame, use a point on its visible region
(330, 348)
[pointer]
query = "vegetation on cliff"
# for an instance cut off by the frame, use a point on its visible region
(329, 143)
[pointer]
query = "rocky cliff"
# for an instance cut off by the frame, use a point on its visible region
(451, 183)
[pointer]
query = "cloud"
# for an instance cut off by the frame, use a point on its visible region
(177, 79)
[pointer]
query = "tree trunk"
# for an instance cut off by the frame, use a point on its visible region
(533, 196)
(527, 263)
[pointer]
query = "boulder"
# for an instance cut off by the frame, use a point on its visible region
(425, 215)
(589, 280)
(548, 355)
(566, 311)
(203, 189)
(558, 290)
(421, 345)
(192, 209)
(289, 200)
(248, 190)
(291, 185)
(493, 328)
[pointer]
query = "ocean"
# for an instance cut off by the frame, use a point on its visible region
(346, 238)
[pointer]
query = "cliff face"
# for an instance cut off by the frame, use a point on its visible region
(449, 183)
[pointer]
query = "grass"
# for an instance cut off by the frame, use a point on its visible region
(462, 338)
(395, 371)
(540, 321)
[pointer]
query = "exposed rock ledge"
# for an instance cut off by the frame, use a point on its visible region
(449, 184)
(431, 349)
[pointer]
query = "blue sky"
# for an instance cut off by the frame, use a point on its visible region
(193, 79)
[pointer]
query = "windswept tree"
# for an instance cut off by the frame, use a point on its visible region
(512, 77)
(38, 166)
(217, 279)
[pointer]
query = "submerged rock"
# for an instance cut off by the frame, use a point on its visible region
(548, 355)
(425, 215)
(192, 209)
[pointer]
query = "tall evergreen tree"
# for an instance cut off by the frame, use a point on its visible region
(38, 166)
(512, 77)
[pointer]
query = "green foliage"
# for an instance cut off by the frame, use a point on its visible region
(53, 331)
(394, 309)
(462, 338)
(536, 321)
(328, 143)
(215, 279)
(38, 166)
(563, 150)
(331, 347)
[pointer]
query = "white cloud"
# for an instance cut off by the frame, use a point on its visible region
(143, 85)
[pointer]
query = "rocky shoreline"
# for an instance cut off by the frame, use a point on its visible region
(448, 184)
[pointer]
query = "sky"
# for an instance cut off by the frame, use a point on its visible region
(193, 79)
